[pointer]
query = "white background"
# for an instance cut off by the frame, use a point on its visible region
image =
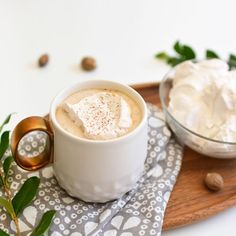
(122, 35)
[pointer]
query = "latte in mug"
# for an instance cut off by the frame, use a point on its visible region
(97, 139)
(98, 114)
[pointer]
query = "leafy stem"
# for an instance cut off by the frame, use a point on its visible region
(14, 205)
(184, 52)
(8, 195)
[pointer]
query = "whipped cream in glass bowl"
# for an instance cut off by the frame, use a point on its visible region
(199, 102)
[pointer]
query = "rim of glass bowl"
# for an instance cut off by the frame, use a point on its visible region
(166, 77)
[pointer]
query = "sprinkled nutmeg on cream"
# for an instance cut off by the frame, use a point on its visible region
(99, 114)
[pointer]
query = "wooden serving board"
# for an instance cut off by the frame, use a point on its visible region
(190, 200)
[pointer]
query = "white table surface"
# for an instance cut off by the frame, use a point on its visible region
(122, 35)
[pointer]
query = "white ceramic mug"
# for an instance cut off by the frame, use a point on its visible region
(92, 170)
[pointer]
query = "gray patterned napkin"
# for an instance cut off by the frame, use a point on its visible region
(139, 212)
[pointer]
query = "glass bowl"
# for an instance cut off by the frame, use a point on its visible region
(185, 136)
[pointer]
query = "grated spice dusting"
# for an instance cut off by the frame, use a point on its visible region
(104, 115)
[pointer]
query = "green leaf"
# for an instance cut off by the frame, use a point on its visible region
(211, 54)
(188, 52)
(173, 61)
(6, 165)
(185, 51)
(3, 233)
(1, 181)
(178, 48)
(7, 205)
(6, 121)
(4, 143)
(25, 194)
(162, 56)
(232, 61)
(232, 57)
(44, 223)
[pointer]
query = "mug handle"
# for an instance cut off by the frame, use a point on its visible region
(33, 123)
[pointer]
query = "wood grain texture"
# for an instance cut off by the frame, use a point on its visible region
(190, 200)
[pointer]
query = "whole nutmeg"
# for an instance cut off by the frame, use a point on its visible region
(214, 181)
(43, 60)
(88, 63)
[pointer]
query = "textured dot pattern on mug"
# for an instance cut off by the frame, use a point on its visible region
(139, 212)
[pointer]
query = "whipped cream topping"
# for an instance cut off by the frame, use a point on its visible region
(103, 115)
(203, 98)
